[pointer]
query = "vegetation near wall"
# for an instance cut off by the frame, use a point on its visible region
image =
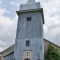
(52, 53)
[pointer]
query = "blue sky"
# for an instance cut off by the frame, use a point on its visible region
(8, 21)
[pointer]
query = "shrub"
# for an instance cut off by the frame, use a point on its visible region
(52, 53)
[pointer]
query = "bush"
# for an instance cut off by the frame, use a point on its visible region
(52, 53)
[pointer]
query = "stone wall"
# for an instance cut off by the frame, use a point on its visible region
(46, 44)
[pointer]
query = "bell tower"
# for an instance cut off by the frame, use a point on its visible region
(29, 43)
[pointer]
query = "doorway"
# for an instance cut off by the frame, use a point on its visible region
(27, 59)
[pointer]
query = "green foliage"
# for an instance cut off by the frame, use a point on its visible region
(52, 53)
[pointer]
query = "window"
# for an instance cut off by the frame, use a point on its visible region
(28, 18)
(27, 43)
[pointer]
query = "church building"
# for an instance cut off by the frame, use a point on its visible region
(29, 42)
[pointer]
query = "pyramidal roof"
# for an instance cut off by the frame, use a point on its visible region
(31, 4)
(30, 1)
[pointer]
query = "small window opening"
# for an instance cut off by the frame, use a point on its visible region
(27, 43)
(28, 18)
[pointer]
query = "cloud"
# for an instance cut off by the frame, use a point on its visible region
(14, 3)
(2, 43)
(0, 1)
(7, 29)
(52, 20)
(18, 3)
(3, 11)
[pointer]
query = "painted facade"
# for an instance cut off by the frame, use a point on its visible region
(29, 32)
(8, 54)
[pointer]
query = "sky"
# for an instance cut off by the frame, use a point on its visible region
(9, 18)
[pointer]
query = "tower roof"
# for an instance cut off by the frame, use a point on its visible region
(30, 1)
(31, 4)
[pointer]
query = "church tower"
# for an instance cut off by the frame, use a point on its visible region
(29, 43)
